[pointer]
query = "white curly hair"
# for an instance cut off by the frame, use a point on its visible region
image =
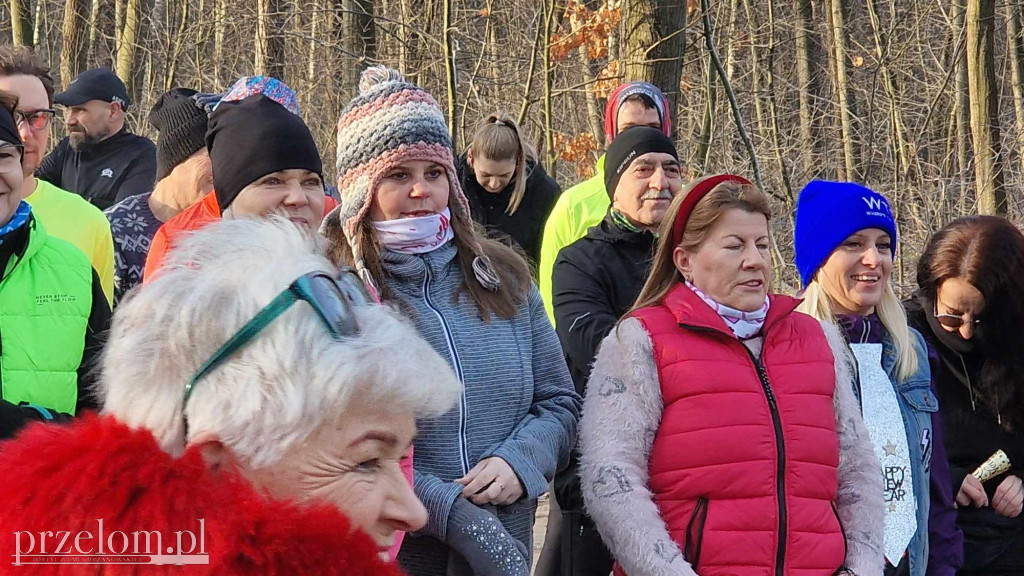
(282, 385)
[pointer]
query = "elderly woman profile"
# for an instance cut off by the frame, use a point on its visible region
(253, 387)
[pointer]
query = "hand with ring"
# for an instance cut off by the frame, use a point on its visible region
(491, 481)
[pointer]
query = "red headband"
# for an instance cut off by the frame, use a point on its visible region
(697, 190)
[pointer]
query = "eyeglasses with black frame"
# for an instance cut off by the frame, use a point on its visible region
(36, 119)
(333, 299)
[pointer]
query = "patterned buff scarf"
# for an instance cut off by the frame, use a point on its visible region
(416, 235)
(623, 223)
(744, 325)
(17, 221)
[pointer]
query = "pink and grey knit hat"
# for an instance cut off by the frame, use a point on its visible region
(392, 121)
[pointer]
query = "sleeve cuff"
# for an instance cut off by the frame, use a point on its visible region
(438, 497)
(533, 481)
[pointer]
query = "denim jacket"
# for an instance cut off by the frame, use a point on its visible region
(917, 403)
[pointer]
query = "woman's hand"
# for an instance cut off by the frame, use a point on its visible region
(972, 493)
(1009, 497)
(491, 481)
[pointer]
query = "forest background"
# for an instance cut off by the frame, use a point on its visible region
(922, 100)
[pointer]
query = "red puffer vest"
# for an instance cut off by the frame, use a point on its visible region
(744, 464)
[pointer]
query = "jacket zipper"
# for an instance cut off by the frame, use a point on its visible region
(780, 449)
(780, 444)
(450, 341)
(695, 538)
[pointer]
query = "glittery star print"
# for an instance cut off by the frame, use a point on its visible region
(890, 448)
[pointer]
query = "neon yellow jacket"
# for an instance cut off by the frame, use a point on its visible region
(73, 219)
(45, 303)
(578, 208)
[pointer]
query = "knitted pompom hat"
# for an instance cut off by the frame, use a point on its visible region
(393, 121)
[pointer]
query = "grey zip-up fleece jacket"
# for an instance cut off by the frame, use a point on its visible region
(518, 402)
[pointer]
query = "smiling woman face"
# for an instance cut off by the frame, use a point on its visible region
(297, 194)
(411, 189)
(354, 464)
(857, 272)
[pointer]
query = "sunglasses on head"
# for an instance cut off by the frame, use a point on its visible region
(333, 299)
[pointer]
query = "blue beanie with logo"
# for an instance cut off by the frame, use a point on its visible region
(827, 213)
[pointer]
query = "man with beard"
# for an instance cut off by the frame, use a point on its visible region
(100, 159)
(595, 281)
(66, 216)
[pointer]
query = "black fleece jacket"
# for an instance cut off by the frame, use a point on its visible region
(594, 283)
(973, 433)
(526, 225)
(107, 172)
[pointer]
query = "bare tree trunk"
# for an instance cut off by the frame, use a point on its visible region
(842, 88)
(21, 22)
(962, 103)
(128, 42)
(450, 72)
(404, 38)
(219, 24)
(37, 24)
(538, 43)
(269, 59)
(755, 70)
(358, 40)
(72, 48)
(900, 140)
(773, 113)
(172, 66)
(653, 41)
(707, 126)
(549, 132)
(94, 29)
(709, 42)
(1016, 47)
(988, 168)
(805, 66)
(314, 30)
(595, 115)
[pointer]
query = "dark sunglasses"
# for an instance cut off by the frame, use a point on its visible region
(333, 299)
(954, 320)
(37, 120)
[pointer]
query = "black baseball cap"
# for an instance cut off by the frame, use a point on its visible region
(95, 84)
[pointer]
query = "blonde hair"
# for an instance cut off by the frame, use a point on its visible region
(499, 138)
(818, 304)
(723, 197)
(183, 185)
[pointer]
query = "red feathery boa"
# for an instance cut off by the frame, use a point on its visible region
(64, 478)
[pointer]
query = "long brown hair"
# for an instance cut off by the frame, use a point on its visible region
(499, 138)
(987, 252)
(510, 266)
(723, 197)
